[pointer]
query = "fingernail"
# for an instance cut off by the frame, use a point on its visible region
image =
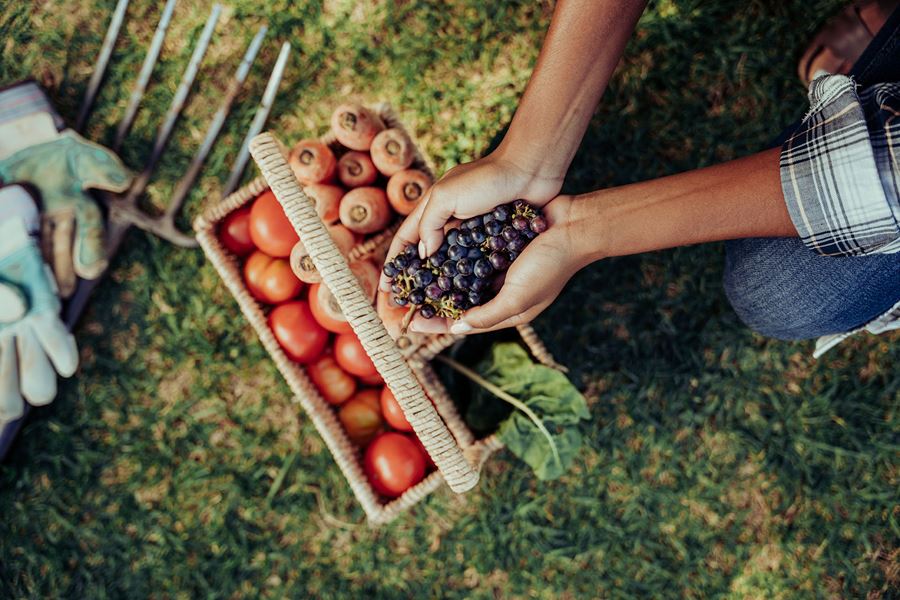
(460, 327)
(422, 252)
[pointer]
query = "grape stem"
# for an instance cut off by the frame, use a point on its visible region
(407, 319)
(506, 397)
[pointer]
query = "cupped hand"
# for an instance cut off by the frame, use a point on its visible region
(533, 281)
(466, 191)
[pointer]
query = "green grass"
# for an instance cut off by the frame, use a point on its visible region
(717, 463)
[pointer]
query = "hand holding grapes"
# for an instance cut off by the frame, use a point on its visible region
(467, 191)
(540, 266)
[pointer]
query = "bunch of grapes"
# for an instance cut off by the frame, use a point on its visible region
(461, 273)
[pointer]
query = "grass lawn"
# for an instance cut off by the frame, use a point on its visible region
(717, 463)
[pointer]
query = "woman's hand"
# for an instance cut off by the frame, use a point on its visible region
(533, 281)
(469, 190)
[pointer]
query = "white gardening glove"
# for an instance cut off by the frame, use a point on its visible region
(33, 340)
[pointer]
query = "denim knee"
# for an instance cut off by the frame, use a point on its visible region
(761, 300)
(781, 289)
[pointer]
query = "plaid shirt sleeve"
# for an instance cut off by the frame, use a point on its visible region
(840, 171)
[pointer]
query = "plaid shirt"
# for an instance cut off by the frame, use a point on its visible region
(840, 173)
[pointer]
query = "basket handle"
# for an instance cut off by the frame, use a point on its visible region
(419, 411)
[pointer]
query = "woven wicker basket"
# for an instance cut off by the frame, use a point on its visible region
(424, 400)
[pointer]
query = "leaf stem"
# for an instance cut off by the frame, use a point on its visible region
(506, 397)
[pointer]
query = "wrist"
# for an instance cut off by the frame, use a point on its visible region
(531, 159)
(589, 228)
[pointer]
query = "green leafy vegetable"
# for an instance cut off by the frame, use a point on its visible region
(550, 396)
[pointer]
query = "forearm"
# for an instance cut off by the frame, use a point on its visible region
(737, 199)
(585, 42)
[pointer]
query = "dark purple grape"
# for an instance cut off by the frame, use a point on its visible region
(396, 288)
(417, 297)
(474, 253)
(487, 218)
(411, 251)
(520, 223)
(493, 227)
(450, 238)
(482, 268)
(445, 283)
(423, 278)
(400, 301)
(464, 239)
(516, 245)
(472, 223)
(401, 261)
(528, 234)
(427, 311)
(512, 255)
(449, 268)
(456, 252)
(390, 270)
(479, 285)
(464, 266)
(445, 245)
(413, 267)
(509, 234)
(462, 282)
(538, 224)
(496, 243)
(478, 235)
(436, 260)
(458, 298)
(499, 260)
(433, 292)
(474, 298)
(501, 213)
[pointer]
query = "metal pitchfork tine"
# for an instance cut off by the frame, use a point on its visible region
(109, 42)
(259, 119)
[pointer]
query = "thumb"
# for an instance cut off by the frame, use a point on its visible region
(438, 206)
(89, 253)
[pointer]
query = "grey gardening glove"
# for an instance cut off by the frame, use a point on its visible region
(63, 169)
(34, 343)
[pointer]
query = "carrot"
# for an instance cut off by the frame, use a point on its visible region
(312, 162)
(365, 210)
(328, 200)
(355, 126)
(392, 151)
(405, 188)
(301, 262)
(368, 275)
(355, 169)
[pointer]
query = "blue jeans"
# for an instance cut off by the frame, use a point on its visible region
(781, 289)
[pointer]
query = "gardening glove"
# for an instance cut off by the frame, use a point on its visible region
(33, 340)
(63, 169)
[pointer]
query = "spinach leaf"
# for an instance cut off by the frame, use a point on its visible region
(551, 396)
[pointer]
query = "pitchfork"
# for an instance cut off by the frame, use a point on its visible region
(123, 209)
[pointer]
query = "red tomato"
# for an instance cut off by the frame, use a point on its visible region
(302, 339)
(375, 380)
(271, 280)
(394, 463)
(335, 384)
(349, 353)
(234, 232)
(325, 309)
(270, 229)
(392, 412)
(361, 417)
